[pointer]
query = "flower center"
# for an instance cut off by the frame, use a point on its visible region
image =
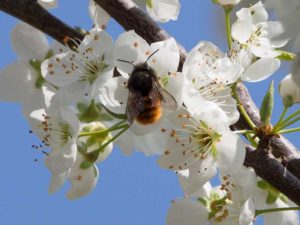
(92, 69)
(54, 132)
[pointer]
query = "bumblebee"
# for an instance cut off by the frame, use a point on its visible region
(147, 97)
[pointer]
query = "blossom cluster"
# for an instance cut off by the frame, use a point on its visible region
(79, 100)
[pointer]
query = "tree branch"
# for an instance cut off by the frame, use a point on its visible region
(32, 13)
(130, 17)
(274, 173)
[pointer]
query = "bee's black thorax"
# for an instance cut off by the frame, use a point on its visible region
(142, 79)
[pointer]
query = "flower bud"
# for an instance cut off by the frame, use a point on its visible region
(289, 91)
(95, 141)
(227, 2)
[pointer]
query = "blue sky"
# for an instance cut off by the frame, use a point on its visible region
(131, 190)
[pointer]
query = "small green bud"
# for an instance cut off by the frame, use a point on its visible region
(267, 105)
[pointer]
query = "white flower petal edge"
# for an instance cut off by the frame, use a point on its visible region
(187, 212)
(231, 153)
(48, 4)
(289, 90)
(228, 2)
(83, 181)
(283, 217)
(132, 48)
(261, 69)
(28, 42)
(99, 16)
(163, 10)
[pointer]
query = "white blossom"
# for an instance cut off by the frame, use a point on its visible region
(91, 64)
(208, 76)
(253, 31)
(230, 203)
(58, 129)
(203, 138)
(22, 81)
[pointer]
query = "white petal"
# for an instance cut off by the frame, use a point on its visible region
(17, 82)
(132, 48)
(57, 180)
(288, 89)
(60, 161)
(164, 10)
(258, 13)
(246, 178)
(71, 119)
(244, 14)
(274, 29)
(83, 181)
(283, 217)
(113, 94)
(126, 143)
(264, 51)
(174, 86)
(152, 143)
(230, 153)
(48, 4)
(228, 2)
(247, 213)
(213, 116)
(70, 94)
(241, 31)
(95, 45)
(28, 42)
(261, 69)
(187, 212)
(199, 173)
(99, 16)
(55, 70)
(166, 59)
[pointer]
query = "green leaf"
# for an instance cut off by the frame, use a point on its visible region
(266, 108)
(287, 56)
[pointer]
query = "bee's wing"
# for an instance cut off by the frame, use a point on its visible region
(167, 100)
(135, 106)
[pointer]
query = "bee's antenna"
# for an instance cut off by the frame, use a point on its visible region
(120, 60)
(152, 55)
